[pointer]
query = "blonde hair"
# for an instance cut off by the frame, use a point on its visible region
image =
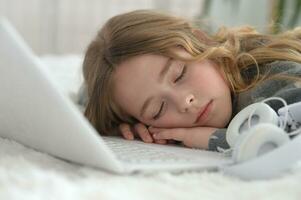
(150, 32)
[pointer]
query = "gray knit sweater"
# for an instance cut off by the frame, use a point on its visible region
(288, 90)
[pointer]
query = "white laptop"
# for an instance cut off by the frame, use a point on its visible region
(35, 112)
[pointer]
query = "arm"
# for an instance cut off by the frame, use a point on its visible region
(195, 137)
(208, 138)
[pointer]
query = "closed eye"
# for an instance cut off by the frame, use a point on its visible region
(182, 74)
(158, 114)
(177, 79)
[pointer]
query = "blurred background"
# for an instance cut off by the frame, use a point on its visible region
(66, 26)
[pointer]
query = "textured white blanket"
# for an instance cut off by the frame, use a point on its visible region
(26, 174)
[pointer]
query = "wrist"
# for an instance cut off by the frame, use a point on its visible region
(201, 137)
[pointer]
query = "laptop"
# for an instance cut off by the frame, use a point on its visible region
(37, 114)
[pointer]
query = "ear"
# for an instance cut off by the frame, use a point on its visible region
(202, 36)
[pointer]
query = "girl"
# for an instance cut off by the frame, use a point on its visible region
(161, 78)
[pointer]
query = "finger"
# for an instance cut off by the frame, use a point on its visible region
(153, 130)
(160, 141)
(126, 132)
(143, 132)
(169, 135)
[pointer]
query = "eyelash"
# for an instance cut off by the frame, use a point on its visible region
(182, 74)
(177, 79)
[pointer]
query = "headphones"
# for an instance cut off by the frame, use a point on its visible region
(258, 129)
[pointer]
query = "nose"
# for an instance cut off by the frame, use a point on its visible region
(188, 103)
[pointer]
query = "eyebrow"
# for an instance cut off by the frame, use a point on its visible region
(162, 74)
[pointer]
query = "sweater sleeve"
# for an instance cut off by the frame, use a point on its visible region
(217, 141)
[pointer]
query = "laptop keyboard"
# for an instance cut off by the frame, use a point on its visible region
(139, 152)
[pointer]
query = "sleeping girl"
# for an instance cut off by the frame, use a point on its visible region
(160, 78)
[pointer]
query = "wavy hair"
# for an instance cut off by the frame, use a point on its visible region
(151, 32)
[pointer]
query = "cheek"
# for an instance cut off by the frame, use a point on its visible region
(171, 119)
(199, 81)
(208, 80)
(125, 102)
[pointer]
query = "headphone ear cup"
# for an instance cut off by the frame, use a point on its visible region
(258, 140)
(264, 114)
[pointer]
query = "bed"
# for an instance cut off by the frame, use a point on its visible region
(29, 174)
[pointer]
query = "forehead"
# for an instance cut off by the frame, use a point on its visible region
(137, 66)
(144, 64)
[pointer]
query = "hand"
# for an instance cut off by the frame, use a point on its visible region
(194, 137)
(139, 130)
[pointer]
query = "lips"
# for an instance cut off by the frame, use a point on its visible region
(204, 112)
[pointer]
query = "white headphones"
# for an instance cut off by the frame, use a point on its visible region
(256, 130)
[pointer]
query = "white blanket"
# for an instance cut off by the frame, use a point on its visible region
(30, 175)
